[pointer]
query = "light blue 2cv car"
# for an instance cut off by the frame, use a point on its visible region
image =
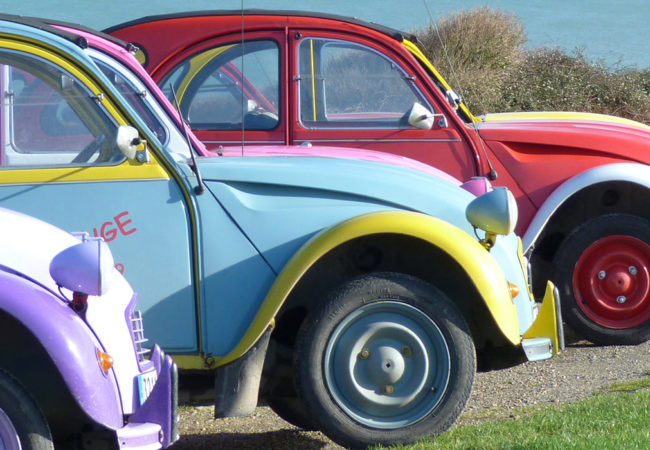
(351, 295)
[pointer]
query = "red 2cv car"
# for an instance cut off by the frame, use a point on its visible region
(581, 180)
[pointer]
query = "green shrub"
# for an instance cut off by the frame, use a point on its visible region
(480, 45)
(549, 79)
(484, 59)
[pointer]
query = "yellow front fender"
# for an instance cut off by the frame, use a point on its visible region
(479, 265)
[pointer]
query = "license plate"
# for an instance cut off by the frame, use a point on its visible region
(146, 382)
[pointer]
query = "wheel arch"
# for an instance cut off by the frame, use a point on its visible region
(399, 237)
(52, 351)
(63, 414)
(617, 188)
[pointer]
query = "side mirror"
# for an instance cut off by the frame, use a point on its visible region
(128, 140)
(251, 106)
(494, 212)
(420, 117)
(86, 267)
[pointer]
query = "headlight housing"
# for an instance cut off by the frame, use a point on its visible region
(84, 268)
(495, 212)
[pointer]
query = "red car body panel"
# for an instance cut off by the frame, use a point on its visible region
(531, 155)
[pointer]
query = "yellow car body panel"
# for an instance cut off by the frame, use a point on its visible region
(561, 115)
(547, 324)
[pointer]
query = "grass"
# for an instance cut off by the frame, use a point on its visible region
(481, 54)
(616, 419)
(630, 386)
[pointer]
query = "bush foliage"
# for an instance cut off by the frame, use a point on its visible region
(481, 54)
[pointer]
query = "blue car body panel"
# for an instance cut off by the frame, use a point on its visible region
(203, 263)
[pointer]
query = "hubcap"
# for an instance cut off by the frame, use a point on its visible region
(611, 282)
(8, 436)
(405, 373)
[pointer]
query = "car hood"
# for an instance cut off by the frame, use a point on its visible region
(279, 202)
(369, 181)
(586, 132)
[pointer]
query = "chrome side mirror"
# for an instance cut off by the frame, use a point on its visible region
(494, 212)
(86, 267)
(420, 117)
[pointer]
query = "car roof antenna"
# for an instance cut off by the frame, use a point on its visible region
(243, 110)
(492, 175)
(200, 186)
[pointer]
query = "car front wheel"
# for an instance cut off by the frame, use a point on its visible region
(22, 425)
(386, 359)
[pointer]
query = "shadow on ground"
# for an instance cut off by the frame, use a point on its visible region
(277, 440)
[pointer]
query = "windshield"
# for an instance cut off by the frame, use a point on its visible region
(135, 98)
(452, 97)
(144, 103)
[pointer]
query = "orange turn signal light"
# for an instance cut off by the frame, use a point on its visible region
(105, 361)
(514, 290)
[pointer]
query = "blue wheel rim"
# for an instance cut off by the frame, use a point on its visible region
(387, 365)
(8, 437)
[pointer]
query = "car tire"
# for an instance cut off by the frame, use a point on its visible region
(386, 359)
(602, 270)
(22, 424)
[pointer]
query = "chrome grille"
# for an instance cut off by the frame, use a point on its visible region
(138, 335)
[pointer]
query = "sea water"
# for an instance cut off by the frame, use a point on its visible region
(614, 32)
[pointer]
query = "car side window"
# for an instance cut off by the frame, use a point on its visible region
(135, 96)
(50, 117)
(344, 85)
(220, 87)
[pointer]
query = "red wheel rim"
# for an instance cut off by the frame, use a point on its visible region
(611, 282)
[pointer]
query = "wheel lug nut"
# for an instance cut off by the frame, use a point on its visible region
(407, 352)
(364, 354)
(632, 270)
(388, 389)
(602, 274)
(621, 299)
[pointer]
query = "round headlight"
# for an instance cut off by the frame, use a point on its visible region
(495, 211)
(85, 267)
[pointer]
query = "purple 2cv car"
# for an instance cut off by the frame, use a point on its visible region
(72, 369)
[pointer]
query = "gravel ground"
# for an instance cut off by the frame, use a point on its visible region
(579, 372)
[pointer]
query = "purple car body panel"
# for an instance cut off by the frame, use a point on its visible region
(29, 297)
(68, 341)
(155, 409)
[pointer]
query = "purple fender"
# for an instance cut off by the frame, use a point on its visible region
(69, 343)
